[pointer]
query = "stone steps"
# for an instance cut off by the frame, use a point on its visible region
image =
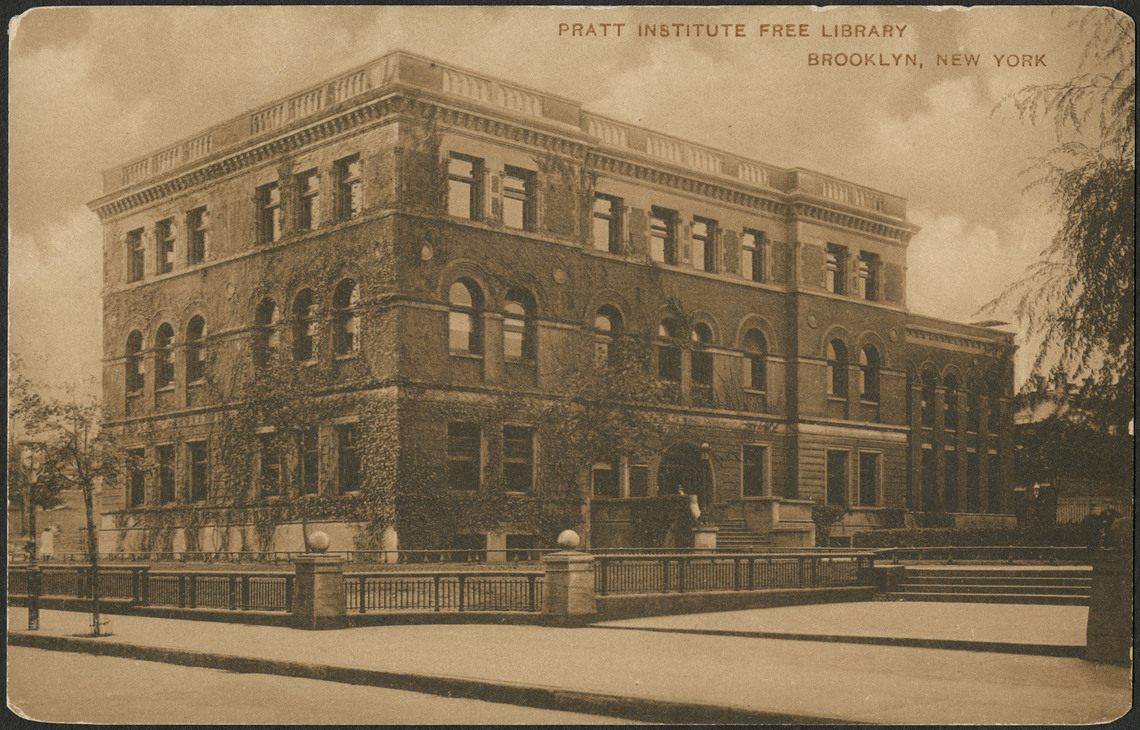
(1025, 585)
(734, 535)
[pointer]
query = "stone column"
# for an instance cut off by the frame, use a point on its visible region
(568, 598)
(1109, 634)
(318, 601)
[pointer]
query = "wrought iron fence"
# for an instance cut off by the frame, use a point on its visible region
(184, 589)
(483, 591)
(1051, 554)
(679, 573)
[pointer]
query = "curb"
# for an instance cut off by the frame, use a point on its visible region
(1053, 650)
(550, 698)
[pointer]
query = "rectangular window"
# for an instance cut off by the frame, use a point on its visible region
(607, 223)
(197, 227)
(753, 251)
(753, 471)
(348, 457)
(464, 462)
(837, 477)
(669, 363)
(518, 198)
(518, 458)
(993, 482)
(605, 481)
(639, 480)
(464, 186)
(868, 480)
(702, 368)
(973, 490)
(136, 255)
(270, 458)
(136, 488)
(310, 461)
(309, 193)
(929, 481)
(268, 213)
(521, 547)
(199, 470)
(836, 269)
(349, 192)
(166, 473)
(164, 237)
(662, 235)
(950, 478)
(704, 250)
(868, 276)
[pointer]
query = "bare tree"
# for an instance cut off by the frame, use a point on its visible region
(76, 453)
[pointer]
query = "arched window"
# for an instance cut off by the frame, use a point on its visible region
(757, 348)
(607, 325)
(837, 369)
(518, 325)
(701, 362)
(929, 379)
(164, 356)
(869, 374)
(346, 300)
(950, 404)
(195, 349)
(134, 380)
(267, 337)
(304, 325)
(465, 331)
(669, 352)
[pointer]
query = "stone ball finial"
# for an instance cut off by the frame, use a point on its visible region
(568, 540)
(1120, 533)
(318, 542)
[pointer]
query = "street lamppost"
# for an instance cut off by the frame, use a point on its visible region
(31, 459)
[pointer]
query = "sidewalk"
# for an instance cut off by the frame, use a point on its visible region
(635, 673)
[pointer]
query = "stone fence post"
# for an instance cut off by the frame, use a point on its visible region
(1109, 634)
(569, 590)
(318, 599)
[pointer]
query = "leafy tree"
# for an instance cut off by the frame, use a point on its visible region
(1078, 299)
(76, 454)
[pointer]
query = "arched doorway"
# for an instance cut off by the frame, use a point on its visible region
(684, 466)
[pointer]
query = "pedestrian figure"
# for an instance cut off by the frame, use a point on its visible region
(47, 545)
(1091, 530)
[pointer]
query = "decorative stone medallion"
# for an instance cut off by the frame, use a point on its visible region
(426, 252)
(813, 321)
(560, 275)
(894, 334)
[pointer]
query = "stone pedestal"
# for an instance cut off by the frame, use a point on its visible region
(1109, 636)
(568, 594)
(318, 598)
(704, 538)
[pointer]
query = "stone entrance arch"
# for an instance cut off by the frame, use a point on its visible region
(684, 466)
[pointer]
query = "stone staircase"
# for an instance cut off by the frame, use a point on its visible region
(1050, 585)
(734, 536)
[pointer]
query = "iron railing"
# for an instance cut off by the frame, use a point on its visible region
(482, 591)
(679, 573)
(184, 589)
(1052, 554)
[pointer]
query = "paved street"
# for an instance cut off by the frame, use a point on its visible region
(868, 683)
(55, 686)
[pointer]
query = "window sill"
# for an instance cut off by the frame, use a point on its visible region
(347, 356)
(164, 389)
(135, 394)
(753, 391)
(836, 398)
(874, 403)
(466, 355)
(196, 383)
(311, 362)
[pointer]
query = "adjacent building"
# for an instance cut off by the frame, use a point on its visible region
(376, 306)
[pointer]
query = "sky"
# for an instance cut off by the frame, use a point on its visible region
(91, 88)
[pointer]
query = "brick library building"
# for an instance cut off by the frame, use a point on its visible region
(420, 307)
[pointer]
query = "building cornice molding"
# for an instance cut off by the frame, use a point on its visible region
(958, 342)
